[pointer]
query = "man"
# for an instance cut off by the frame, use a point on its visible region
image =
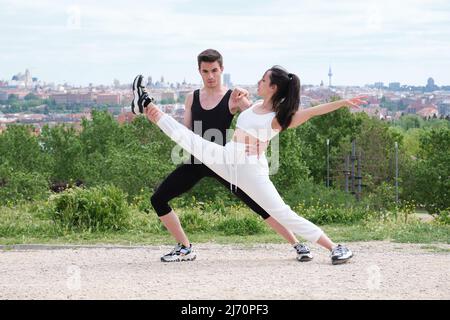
(211, 108)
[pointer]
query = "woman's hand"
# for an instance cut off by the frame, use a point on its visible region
(356, 102)
(238, 94)
(239, 100)
(303, 115)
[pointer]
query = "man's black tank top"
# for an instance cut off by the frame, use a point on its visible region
(219, 119)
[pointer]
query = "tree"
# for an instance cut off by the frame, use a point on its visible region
(292, 166)
(63, 146)
(13, 97)
(22, 166)
(376, 143)
(337, 126)
(21, 150)
(31, 96)
(429, 181)
(410, 121)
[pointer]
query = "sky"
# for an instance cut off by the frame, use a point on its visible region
(82, 42)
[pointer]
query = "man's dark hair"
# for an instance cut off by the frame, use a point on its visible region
(210, 55)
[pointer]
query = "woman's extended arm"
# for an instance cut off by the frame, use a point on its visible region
(301, 116)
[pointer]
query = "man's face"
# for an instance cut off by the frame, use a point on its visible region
(211, 73)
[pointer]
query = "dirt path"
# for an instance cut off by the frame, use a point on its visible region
(379, 270)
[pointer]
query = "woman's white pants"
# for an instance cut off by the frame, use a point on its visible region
(249, 173)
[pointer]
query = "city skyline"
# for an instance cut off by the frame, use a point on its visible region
(224, 81)
(79, 42)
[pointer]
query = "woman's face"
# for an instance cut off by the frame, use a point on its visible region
(265, 89)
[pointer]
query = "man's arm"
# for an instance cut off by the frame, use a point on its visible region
(187, 121)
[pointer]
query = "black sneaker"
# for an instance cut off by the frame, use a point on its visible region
(340, 254)
(303, 252)
(179, 253)
(140, 95)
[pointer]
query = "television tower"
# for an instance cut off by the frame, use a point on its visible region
(330, 74)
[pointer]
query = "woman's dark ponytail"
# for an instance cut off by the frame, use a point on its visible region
(286, 99)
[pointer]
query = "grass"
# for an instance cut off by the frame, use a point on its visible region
(409, 233)
(28, 224)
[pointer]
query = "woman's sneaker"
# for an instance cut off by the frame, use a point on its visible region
(303, 252)
(340, 254)
(140, 95)
(179, 253)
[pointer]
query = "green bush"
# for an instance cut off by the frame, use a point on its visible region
(444, 217)
(95, 209)
(145, 222)
(194, 221)
(142, 201)
(382, 198)
(328, 214)
(27, 221)
(17, 186)
(309, 194)
(234, 225)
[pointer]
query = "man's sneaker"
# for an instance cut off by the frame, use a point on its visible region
(303, 252)
(140, 95)
(179, 253)
(340, 254)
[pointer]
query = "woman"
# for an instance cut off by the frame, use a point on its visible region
(278, 111)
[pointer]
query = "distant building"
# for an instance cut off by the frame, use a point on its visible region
(428, 112)
(28, 79)
(227, 80)
(306, 101)
(379, 85)
(24, 80)
(126, 98)
(394, 86)
(183, 93)
(108, 98)
(17, 92)
(444, 108)
(168, 95)
(330, 74)
(71, 98)
(430, 85)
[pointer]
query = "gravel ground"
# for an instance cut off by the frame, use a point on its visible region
(378, 270)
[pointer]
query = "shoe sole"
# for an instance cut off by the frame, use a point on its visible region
(136, 84)
(304, 258)
(185, 258)
(341, 261)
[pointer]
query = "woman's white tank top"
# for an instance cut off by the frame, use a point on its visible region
(257, 125)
